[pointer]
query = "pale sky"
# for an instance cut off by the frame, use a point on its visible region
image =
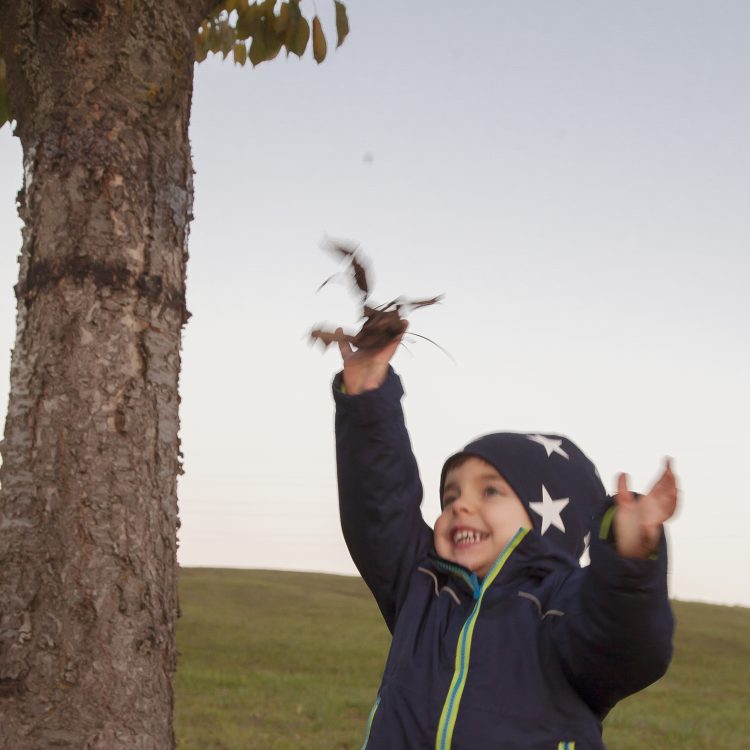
(574, 176)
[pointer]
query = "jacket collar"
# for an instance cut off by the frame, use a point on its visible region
(526, 555)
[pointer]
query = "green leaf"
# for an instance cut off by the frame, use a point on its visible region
(201, 44)
(246, 17)
(273, 40)
(297, 31)
(319, 41)
(282, 20)
(342, 22)
(266, 8)
(266, 44)
(231, 22)
(240, 53)
(227, 39)
(201, 48)
(258, 49)
(213, 39)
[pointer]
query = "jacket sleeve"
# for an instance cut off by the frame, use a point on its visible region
(615, 637)
(379, 491)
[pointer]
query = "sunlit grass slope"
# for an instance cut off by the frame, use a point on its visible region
(292, 661)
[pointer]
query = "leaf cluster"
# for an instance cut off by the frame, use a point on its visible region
(252, 32)
(256, 32)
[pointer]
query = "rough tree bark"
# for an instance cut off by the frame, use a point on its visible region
(88, 508)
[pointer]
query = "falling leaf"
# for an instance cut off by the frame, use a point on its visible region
(330, 337)
(340, 248)
(382, 324)
(417, 303)
(359, 270)
(330, 278)
(360, 275)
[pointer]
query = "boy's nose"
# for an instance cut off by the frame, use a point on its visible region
(462, 504)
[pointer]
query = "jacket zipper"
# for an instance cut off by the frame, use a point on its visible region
(369, 721)
(448, 716)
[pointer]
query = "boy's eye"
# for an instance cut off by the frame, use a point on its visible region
(492, 490)
(448, 500)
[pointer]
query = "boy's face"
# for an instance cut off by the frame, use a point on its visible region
(481, 513)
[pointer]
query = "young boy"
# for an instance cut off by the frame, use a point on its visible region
(500, 638)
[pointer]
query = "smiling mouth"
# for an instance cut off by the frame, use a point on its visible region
(466, 537)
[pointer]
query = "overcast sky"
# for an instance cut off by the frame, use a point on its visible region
(574, 176)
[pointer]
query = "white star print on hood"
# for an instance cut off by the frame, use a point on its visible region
(550, 511)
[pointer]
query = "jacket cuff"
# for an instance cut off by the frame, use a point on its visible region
(629, 573)
(369, 406)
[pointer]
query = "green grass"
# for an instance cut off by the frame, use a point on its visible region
(292, 661)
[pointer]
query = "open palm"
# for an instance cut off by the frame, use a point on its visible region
(638, 521)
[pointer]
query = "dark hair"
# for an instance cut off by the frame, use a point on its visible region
(455, 462)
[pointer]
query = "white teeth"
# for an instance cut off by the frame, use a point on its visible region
(466, 536)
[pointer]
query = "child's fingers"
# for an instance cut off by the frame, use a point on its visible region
(667, 482)
(345, 348)
(671, 487)
(664, 494)
(624, 495)
(671, 476)
(667, 473)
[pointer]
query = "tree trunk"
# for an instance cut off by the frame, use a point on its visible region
(88, 506)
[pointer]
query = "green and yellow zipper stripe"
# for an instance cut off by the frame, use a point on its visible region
(453, 699)
(369, 722)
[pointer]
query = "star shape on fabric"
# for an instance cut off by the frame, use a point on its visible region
(550, 511)
(551, 445)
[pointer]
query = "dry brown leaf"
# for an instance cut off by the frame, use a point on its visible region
(382, 324)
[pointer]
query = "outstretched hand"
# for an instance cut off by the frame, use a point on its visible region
(638, 522)
(366, 369)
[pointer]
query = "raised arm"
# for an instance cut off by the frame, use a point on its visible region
(379, 487)
(616, 635)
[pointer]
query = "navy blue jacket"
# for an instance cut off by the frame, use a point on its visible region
(530, 658)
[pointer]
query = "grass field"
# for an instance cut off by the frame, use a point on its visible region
(292, 661)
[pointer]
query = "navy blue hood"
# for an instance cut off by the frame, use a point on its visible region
(556, 482)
